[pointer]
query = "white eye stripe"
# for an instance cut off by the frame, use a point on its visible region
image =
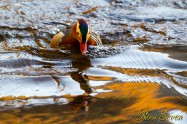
(88, 30)
(78, 30)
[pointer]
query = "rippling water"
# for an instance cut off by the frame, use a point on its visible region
(142, 65)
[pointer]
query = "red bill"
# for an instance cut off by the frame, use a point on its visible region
(83, 48)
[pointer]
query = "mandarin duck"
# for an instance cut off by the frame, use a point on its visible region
(77, 35)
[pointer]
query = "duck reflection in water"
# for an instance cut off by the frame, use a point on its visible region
(82, 64)
(82, 102)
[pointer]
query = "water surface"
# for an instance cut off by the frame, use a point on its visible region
(142, 66)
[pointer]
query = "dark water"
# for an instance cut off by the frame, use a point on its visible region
(141, 68)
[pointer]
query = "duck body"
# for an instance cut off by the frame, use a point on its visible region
(78, 35)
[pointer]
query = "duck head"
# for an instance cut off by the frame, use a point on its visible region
(82, 33)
